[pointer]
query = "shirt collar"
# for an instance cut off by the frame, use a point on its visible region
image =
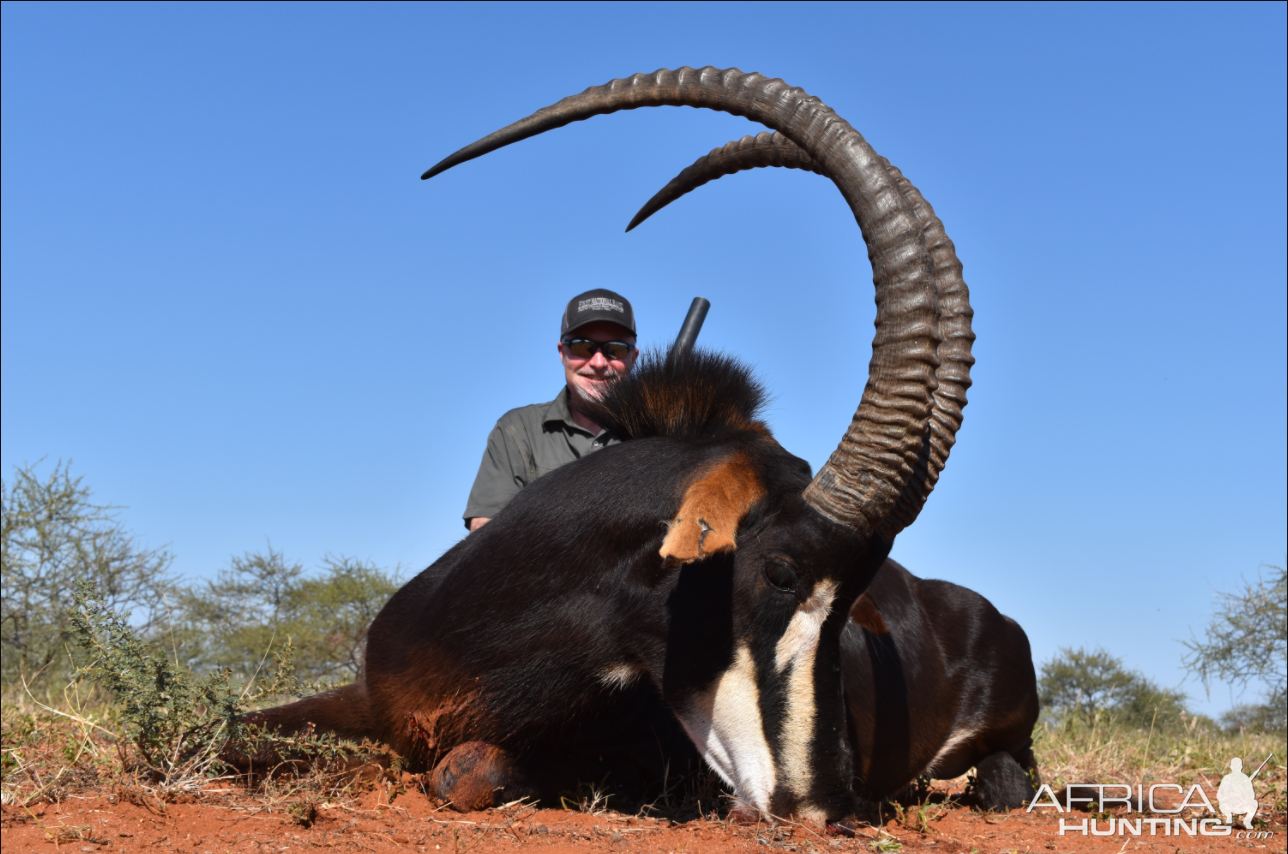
(558, 411)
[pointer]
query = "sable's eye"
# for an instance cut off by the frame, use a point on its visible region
(781, 575)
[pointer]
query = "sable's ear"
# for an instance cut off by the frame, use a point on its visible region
(711, 510)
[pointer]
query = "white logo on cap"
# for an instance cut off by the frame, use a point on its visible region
(600, 304)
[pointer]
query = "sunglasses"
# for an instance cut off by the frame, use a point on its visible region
(584, 348)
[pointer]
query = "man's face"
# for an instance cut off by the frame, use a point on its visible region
(588, 377)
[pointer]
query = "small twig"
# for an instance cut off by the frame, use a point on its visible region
(805, 827)
(77, 718)
(250, 682)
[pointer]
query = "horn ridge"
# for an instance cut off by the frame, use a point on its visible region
(955, 356)
(862, 481)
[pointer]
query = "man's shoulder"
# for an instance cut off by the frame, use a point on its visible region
(531, 416)
(524, 413)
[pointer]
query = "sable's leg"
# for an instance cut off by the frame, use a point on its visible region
(341, 711)
(473, 774)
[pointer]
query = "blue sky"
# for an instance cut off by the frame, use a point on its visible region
(231, 302)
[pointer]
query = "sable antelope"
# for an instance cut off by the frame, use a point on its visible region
(698, 563)
(951, 685)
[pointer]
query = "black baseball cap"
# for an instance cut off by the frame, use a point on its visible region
(597, 304)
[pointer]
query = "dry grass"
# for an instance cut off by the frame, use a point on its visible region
(1100, 751)
(51, 753)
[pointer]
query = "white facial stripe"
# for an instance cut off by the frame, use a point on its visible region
(801, 637)
(724, 724)
(797, 648)
(619, 675)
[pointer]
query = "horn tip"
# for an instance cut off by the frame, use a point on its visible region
(454, 159)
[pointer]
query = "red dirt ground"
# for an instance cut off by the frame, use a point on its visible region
(222, 824)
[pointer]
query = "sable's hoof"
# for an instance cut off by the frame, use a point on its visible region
(470, 776)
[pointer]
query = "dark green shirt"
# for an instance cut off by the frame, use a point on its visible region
(525, 444)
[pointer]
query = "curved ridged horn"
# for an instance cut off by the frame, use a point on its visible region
(863, 479)
(751, 152)
(955, 359)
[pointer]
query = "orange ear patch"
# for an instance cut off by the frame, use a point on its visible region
(712, 508)
(865, 613)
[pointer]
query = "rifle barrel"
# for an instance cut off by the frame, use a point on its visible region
(691, 327)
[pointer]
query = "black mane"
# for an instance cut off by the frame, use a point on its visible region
(703, 396)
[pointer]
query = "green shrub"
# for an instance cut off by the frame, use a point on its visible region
(182, 724)
(177, 722)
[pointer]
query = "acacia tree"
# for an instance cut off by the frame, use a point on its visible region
(340, 604)
(232, 621)
(252, 607)
(55, 536)
(1081, 682)
(1246, 643)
